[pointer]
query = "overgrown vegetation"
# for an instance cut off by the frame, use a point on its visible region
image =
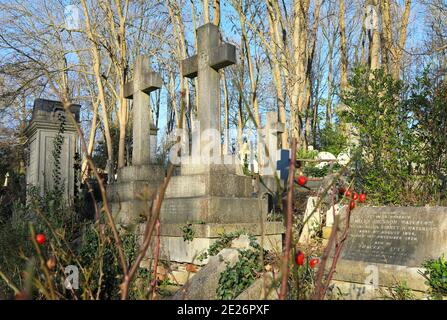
(71, 241)
(399, 291)
(435, 274)
(401, 131)
(238, 277)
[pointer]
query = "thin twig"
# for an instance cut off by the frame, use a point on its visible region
(288, 240)
(157, 252)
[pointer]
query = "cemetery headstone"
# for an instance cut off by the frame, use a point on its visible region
(313, 221)
(387, 245)
(282, 165)
(270, 139)
(5, 184)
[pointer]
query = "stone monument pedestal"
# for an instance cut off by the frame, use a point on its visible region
(212, 199)
(131, 196)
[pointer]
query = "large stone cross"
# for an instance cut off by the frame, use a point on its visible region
(144, 82)
(212, 55)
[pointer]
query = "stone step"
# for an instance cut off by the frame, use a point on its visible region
(151, 173)
(219, 169)
(211, 185)
(130, 213)
(212, 209)
(215, 230)
(131, 190)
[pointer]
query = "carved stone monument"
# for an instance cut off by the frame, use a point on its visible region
(44, 126)
(132, 194)
(212, 197)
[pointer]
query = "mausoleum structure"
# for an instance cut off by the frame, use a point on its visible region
(48, 120)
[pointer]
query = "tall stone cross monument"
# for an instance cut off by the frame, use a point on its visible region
(213, 198)
(132, 194)
(144, 82)
(212, 55)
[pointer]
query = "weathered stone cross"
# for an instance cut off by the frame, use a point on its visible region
(144, 82)
(212, 55)
(273, 130)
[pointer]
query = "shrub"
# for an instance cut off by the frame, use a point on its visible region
(397, 130)
(435, 274)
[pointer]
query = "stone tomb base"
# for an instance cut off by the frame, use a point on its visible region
(131, 196)
(355, 280)
(213, 199)
(174, 248)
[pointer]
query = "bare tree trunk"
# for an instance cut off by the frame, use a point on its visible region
(102, 98)
(387, 38)
(176, 20)
(206, 11)
(329, 87)
(253, 83)
(375, 43)
(299, 44)
(216, 12)
(343, 50)
(277, 54)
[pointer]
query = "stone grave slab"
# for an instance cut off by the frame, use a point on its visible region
(308, 232)
(387, 245)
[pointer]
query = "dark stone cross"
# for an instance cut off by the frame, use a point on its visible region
(144, 82)
(283, 164)
(212, 55)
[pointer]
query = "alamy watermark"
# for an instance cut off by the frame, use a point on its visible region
(205, 147)
(71, 281)
(72, 17)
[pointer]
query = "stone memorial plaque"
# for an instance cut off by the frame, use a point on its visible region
(386, 246)
(403, 236)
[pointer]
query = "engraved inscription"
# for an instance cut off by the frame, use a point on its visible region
(204, 60)
(388, 237)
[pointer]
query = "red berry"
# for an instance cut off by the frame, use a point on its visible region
(355, 196)
(313, 262)
(348, 193)
(362, 197)
(302, 180)
(299, 258)
(40, 238)
(352, 204)
(342, 190)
